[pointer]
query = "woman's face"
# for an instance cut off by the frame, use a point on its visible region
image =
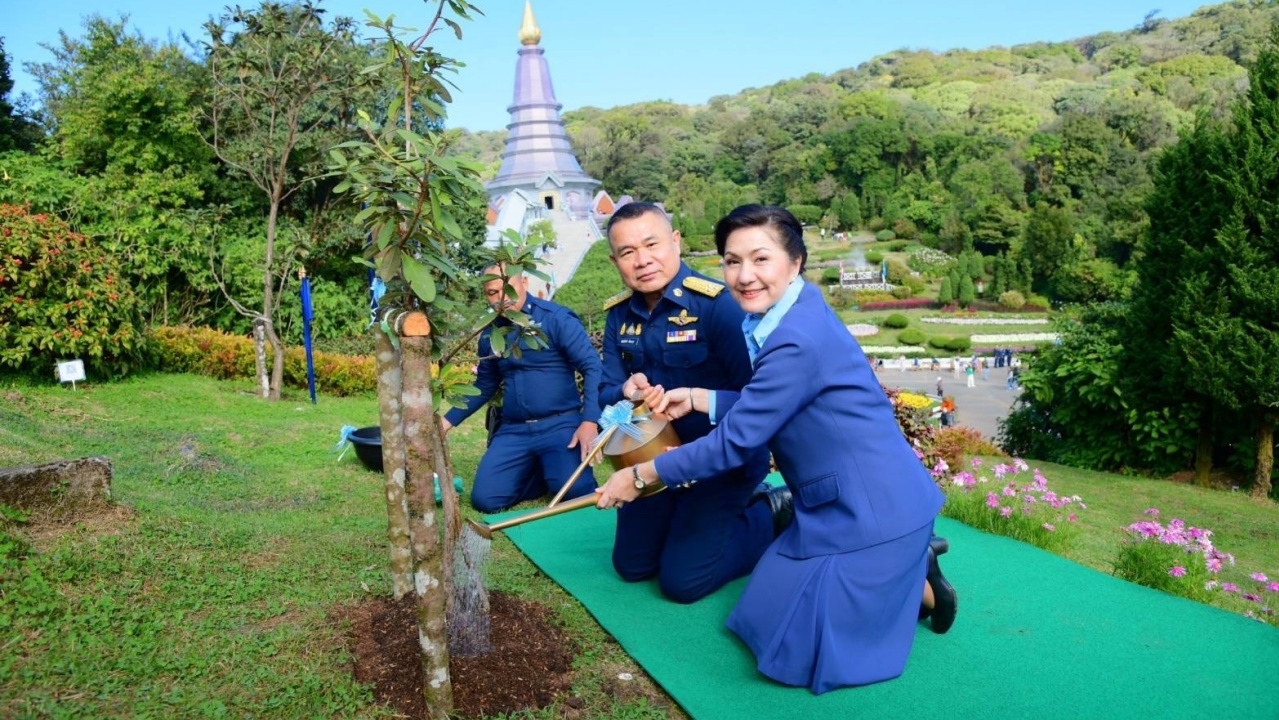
(757, 268)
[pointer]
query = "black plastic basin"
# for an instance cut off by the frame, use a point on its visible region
(368, 446)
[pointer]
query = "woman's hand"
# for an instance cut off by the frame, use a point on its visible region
(620, 488)
(671, 404)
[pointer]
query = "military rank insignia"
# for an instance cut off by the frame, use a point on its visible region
(682, 319)
(703, 286)
(681, 336)
(635, 329)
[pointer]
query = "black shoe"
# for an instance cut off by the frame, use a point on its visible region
(780, 503)
(939, 545)
(945, 600)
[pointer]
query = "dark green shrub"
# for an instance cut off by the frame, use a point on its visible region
(807, 214)
(960, 344)
(885, 234)
(902, 292)
(946, 294)
(940, 342)
(896, 321)
(911, 336)
(874, 257)
(63, 297)
(897, 245)
(830, 275)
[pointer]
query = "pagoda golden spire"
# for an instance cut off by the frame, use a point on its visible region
(530, 33)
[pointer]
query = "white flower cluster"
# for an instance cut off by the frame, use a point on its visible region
(1013, 338)
(863, 329)
(985, 321)
(892, 350)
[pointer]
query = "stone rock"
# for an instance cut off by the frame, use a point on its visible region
(59, 489)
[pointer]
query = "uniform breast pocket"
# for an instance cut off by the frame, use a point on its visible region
(632, 359)
(682, 355)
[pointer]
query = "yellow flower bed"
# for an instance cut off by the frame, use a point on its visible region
(913, 400)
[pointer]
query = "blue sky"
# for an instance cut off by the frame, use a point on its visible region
(615, 53)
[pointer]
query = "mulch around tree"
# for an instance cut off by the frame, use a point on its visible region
(527, 668)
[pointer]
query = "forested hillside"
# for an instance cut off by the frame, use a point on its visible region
(1041, 151)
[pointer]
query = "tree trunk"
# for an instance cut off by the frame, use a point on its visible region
(277, 360)
(259, 357)
(392, 421)
(430, 576)
(268, 298)
(1203, 449)
(1265, 456)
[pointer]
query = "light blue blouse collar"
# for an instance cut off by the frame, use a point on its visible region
(758, 327)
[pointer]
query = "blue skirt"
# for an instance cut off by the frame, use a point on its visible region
(835, 620)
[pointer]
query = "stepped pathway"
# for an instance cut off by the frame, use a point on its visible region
(573, 238)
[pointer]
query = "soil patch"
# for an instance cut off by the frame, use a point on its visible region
(526, 670)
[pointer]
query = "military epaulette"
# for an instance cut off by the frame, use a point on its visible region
(702, 286)
(617, 299)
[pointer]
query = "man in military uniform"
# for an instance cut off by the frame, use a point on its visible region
(547, 426)
(677, 328)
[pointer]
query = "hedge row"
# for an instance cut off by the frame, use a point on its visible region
(204, 351)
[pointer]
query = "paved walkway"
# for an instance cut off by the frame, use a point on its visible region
(979, 407)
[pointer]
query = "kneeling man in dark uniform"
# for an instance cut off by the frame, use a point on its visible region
(547, 426)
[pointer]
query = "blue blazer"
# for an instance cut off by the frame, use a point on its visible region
(816, 403)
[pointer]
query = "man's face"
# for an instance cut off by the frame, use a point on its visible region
(646, 253)
(495, 292)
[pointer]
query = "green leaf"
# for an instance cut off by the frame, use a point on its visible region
(419, 278)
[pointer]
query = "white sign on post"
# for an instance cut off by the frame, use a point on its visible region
(71, 371)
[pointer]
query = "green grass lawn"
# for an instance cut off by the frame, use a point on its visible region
(218, 587)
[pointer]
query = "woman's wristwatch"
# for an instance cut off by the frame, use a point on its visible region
(639, 481)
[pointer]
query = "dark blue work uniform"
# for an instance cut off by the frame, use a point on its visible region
(694, 537)
(541, 409)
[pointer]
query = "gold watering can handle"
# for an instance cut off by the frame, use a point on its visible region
(578, 503)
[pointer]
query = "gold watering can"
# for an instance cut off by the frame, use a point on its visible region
(621, 450)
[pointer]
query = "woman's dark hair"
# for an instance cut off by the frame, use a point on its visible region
(790, 234)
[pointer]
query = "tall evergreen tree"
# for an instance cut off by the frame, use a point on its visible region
(17, 132)
(1230, 336)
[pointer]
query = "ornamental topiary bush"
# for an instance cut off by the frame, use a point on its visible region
(62, 298)
(1012, 300)
(896, 321)
(912, 336)
(874, 257)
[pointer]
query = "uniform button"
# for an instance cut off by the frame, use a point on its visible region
(678, 293)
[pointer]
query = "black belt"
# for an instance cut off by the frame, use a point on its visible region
(547, 417)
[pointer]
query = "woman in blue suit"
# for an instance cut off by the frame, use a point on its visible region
(836, 598)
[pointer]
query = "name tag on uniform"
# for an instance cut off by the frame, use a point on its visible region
(680, 336)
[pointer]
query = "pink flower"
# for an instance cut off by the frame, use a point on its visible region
(992, 500)
(1001, 470)
(1177, 571)
(1020, 465)
(1005, 512)
(1071, 518)
(1152, 511)
(1259, 577)
(1213, 565)
(1252, 597)
(975, 462)
(1210, 585)
(1229, 587)
(1049, 527)
(1273, 587)
(1010, 491)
